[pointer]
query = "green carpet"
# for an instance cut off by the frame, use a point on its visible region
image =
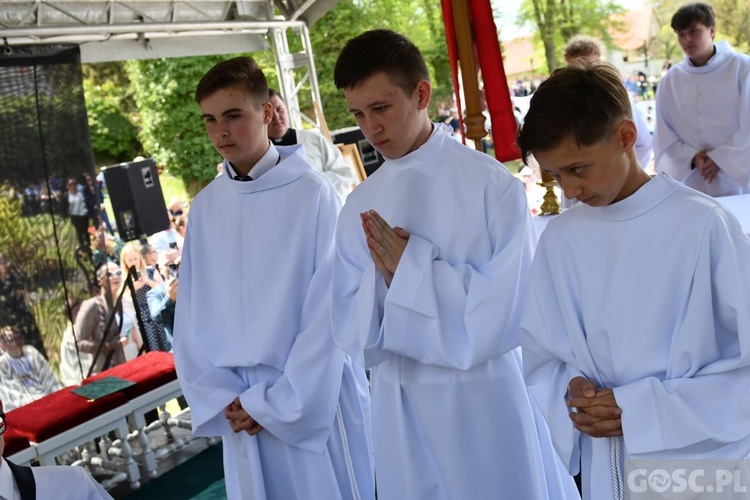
(200, 478)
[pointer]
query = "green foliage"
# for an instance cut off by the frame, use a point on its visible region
(26, 121)
(15, 230)
(31, 244)
(172, 187)
(170, 127)
(328, 37)
(49, 312)
(420, 20)
(733, 22)
(114, 137)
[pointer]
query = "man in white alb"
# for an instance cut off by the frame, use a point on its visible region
(320, 152)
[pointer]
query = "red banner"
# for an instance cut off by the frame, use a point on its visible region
(487, 53)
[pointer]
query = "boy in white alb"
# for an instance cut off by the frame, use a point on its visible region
(702, 134)
(432, 306)
(253, 347)
(636, 329)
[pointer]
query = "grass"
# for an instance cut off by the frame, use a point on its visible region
(172, 187)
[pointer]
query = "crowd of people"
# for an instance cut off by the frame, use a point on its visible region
(421, 340)
(112, 326)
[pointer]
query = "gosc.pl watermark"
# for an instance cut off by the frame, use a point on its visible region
(687, 479)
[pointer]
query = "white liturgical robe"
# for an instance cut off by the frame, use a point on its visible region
(325, 157)
(58, 482)
(252, 320)
(706, 107)
(451, 416)
(647, 296)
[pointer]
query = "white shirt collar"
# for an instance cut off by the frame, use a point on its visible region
(266, 163)
(8, 487)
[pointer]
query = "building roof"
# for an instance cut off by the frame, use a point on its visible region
(639, 25)
(519, 55)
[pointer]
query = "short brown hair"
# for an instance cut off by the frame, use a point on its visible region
(380, 51)
(582, 46)
(583, 100)
(236, 71)
(692, 13)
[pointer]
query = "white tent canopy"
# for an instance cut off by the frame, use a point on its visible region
(118, 30)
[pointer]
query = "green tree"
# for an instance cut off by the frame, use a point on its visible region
(170, 127)
(328, 37)
(112, 115)
(733, 20)
(114, 137)
(420, 20)
(559, 20)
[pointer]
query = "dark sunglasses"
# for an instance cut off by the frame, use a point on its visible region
(176, 213)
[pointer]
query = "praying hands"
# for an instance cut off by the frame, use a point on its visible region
(240, 420)
(705, 165)
(597, 413)
(386, 243)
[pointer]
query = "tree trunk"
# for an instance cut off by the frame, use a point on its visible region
(545, 20)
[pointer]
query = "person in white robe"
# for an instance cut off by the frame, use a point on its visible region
(432, 306)
(26, 376)
(62, 482)
(636, 336)
(320, 152)
(253, 347)
(702, 134)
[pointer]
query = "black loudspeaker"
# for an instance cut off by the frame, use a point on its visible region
(137, 199)
(371, 159)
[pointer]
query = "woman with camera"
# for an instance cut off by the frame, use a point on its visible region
(145, 278)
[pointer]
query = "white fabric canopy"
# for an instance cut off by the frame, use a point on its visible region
(118, 31)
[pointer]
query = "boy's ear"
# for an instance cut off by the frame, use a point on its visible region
(424, 92)
(627, 134)
(267, 109)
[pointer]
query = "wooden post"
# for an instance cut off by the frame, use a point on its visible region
(474, 118)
